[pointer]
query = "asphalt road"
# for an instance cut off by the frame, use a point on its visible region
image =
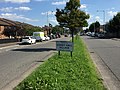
(108, 51)
(15, 60)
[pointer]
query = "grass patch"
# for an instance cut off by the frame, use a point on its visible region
(65, 73)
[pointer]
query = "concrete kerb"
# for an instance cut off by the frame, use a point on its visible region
(116, 39)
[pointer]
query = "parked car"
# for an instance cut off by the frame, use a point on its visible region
(88, 33)
(47, 38)
(28, 40)
(66, 35)
(93, 34)
(101, 36)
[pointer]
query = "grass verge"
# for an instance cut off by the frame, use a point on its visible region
(65, 73)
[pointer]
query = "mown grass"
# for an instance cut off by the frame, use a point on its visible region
(65, 73)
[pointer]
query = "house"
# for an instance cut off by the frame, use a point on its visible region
(2, 27)
(47, 30)
(7, 24)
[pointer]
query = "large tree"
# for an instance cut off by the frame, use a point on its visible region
(57, 29)
(94, 27)
(113, 25)
(71, 16)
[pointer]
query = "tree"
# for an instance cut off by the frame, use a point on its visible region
(94, 27)
(29, 30)
(71, 16)
(97, 26)
(57, 29)
(113, 25)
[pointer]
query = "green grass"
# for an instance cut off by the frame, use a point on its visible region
(65, 73)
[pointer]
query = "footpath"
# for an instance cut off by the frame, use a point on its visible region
(8, 44)
(116, 39)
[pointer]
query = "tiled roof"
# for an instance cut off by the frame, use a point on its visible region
(10, 22)
(3, 23)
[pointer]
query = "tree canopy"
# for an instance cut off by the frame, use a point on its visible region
(71, 16)
(94, 27)
(113, 25)
(57, 29)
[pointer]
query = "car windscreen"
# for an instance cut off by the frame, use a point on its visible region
(26, 38)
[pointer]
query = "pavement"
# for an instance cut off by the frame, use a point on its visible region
(116, 39)
(8, 44)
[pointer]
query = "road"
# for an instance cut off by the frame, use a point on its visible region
(17, 59)
(108, 51)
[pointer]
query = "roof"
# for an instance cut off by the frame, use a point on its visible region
(7, 22)
(10, 22)
(2, 23)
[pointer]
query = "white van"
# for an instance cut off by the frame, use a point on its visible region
(39, 36)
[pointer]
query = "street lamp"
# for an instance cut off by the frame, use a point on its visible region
(103, 18)
(48, 13)
(48, 24)
(47, 19)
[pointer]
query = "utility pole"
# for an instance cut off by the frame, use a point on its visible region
(103, 18)
(47, 19)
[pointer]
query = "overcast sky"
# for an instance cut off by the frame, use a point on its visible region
(41, 12)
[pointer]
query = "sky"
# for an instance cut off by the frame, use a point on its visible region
(42, 12)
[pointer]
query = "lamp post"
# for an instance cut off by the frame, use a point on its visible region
(48, 13)
(48, 24)
(47, 19)
(103, 18)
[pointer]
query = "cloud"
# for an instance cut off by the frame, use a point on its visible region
(23, 8)
(60, 2)
(111, 13)
(94, 19)
(53, 21)
(97, 18)
(49, 13)
(16, 17)
(83, 6)
(7, 9)
(11, 9)
(16, 1)
(40, 0)
(113, 8)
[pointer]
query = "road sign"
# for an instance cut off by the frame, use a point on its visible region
(64, 46)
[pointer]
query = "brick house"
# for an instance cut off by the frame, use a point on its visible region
(6, 24)
(2, 27)
(47, 30)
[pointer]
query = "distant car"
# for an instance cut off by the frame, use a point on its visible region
(88, 33)
(47, 38)
(66, 35)
(93, 34)
(28, 40)
(101, 36)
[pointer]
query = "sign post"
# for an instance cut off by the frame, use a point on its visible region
(64, 46)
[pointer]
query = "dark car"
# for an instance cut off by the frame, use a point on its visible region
(66, 35)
